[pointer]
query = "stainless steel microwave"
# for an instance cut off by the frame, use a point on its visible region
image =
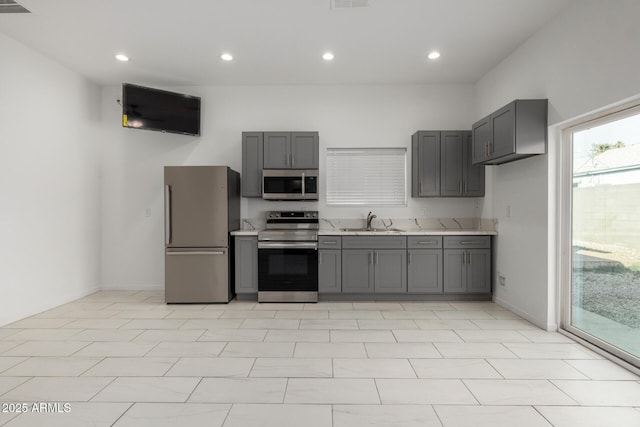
(289, 184)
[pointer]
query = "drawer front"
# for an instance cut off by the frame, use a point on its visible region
(467, 242)
(424, 242)
(329, 242)
(374, 242)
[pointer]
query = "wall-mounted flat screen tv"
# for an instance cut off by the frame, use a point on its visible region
(154, 109)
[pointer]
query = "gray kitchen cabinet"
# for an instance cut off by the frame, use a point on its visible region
(374, 264)
(329, 271)
(425, 164)
(329, 264)
(305, 150)
(357, 271)
(473, 175)
(455, 271)
(424, 264)
(467, 264)
(390, 270)
(277, 151)
(515, 131)
(479, 271)
(424, 271)
(246, 264)
(481, 135)
(252, 152)
(451, 164)
(291, 150)
(451, 172)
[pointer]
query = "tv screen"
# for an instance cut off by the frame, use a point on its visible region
(160, 110)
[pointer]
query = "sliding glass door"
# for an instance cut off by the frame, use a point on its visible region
(604, 225)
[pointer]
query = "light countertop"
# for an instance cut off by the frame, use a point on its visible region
(408, 227)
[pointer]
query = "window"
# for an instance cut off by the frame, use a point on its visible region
(602, 177)
(367, 176)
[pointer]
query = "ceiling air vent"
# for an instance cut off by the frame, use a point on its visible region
(348, 4)
(10, 6)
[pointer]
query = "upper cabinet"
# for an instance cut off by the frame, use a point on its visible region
(513, 132)
(442, 166)
(291, 150)
(275, 150)
(252, 151)
(425, 164)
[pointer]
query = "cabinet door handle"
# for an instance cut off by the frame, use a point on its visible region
(293, 160)
(410, 257)
(375, 259)
(320, 258)
(466, 187)
(467, 242)
(468, 257)
(420, 187)
(329, 242)
(426, 242)
(460, 186)
(371, 258)
(464, 257)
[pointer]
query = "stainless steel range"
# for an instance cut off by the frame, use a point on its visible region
(288, 257)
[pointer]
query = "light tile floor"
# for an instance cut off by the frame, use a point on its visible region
(127, 359)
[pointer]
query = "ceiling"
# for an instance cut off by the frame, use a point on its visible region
(278, 41)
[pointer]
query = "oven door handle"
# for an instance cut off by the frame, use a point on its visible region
(287, 245)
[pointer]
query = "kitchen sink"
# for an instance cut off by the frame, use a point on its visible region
(371, 230)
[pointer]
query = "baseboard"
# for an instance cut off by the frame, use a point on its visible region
(130, 287)
(46, 305)
(527, 316)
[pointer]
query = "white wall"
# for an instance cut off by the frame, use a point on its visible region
(49, 192)
(345, 116)
(583, 60)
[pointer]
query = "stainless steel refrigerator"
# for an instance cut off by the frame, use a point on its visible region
(202, 206)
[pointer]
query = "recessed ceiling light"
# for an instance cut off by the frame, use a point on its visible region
(434, 55)
(327, 56)
(226, 57)
(122, 57)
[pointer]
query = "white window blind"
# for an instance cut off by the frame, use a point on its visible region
(366, 176)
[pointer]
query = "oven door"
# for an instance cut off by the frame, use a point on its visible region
(287, 267)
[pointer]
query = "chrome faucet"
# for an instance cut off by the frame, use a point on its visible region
(369, 219)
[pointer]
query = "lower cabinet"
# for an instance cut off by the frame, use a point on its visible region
(357, 270)
(402, 264)
(424, 271)
(390, 271)
(377, 271)
(374, 264)
(330, 271)
(246, 264)
(467, 270)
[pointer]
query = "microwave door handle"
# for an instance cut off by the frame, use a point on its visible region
(303, 184)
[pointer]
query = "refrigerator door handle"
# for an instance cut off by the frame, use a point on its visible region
(197, 253)
(167, 214)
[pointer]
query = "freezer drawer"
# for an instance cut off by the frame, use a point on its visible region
(197, 275)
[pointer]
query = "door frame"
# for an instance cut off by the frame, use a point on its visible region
(565, 214)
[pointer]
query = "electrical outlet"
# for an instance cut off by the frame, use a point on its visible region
(507, 211)
(423, 212)
(502, 281)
